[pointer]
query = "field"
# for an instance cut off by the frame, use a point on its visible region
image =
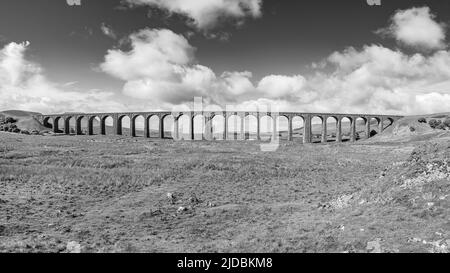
(111, 194)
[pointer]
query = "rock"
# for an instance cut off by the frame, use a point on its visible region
(181, 209)
(73, 247)
(415, 240)
(194, 200)
(374, 246)
(148, 214)
(171, 197)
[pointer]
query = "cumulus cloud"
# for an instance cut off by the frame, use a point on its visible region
(280, 86)
(161, 67)
(417, 27)
(382, 79)
(24, 86)
(108, 31)
(155, 54)
(206, 14)
(161, 70)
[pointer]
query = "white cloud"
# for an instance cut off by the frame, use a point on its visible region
(155, 54)
(279, 86)
(417, 27)
(23, 86)
(160, 70)
(206, 14)
(161, 67)
(108, 31)
(381, 79)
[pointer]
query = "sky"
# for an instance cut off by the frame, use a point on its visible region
(147, 55)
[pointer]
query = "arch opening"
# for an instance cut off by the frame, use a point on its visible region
(199, 126)
(251, 127)
(81, 127)
(69, 125)
(153, 126)
(316, 129)
(360, 128)
(218, 123)
(124, 126)
(387, 123)
(332, 129)
(107, 125)
(282, 127)
(56, 124)
(94, 126)
(298, 124)
(168, 126)
(266, 128)
(374, 127)
(234, 127)
(138, 126)
(346, 124)
(184, 127)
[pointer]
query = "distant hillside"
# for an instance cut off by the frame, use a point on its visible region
(25, 120)
(19, 113)
(409, 128)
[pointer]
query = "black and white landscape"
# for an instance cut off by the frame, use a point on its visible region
(243, 126)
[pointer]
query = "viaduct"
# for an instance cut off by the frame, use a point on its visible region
(53, 121)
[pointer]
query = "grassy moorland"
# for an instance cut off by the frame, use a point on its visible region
(110, 194)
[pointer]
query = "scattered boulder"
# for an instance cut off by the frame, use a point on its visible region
(73, 247)
(194, 200)
(148, 214)
(24, 132)
(171, 198)
(374, 246)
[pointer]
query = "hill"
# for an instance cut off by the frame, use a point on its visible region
(410, 128)
(25, 120)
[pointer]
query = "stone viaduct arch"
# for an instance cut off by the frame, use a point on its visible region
(378, 122)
